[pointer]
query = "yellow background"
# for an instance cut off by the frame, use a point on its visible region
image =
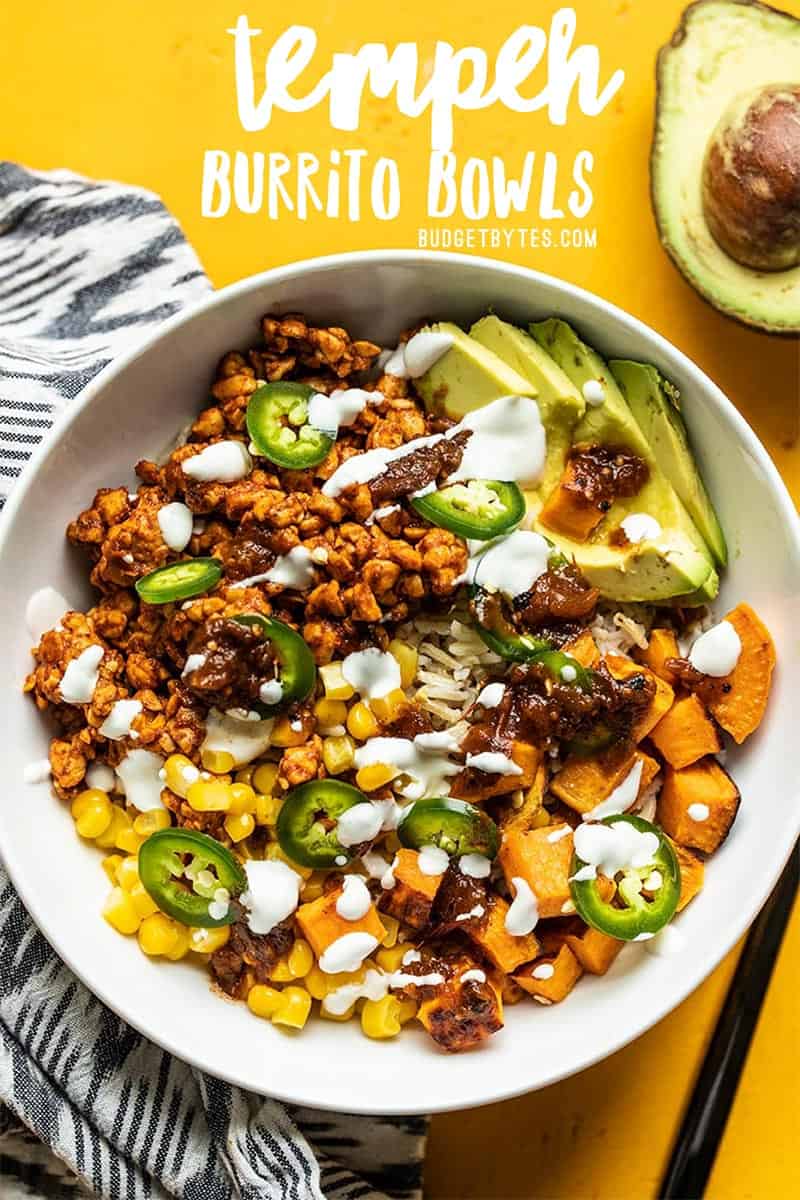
(137, 92)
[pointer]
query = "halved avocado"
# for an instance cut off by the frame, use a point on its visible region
(726, 156)
(468, 376)
(654, 401)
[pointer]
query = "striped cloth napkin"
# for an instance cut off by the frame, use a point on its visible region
(86, 270)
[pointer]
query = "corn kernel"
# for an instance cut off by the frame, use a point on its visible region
(361, 723)
(179, 774)
(206, 941)
(338, 754)
(110, 865)
(280, 973)
(264, 778)
(263, 1001)
(330, 712)
(120, 912)
(182, 944)
(275, 853)
(381, 1018)
(151, 822)
(390, 958)
(267, 809)
(388, 708)
(219, 762)
(283, 735)
(316, 982)
(300, 959)
(407, 659)
(91, 811)
(128, 873)
(408, 1010)
(245, 774)
(209, 795)
(142, 901)
(294, 1008)
(129, 841)
(370, 778)
(243, 799)
(392, 926)
(313, 889)
(119, 820)
(239, 827)
(157, 935)
(333, 681)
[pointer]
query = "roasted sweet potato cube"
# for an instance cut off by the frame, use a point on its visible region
(462, 1015)
(650, 769)
(531, 814)
(413, 894)
(567, 510)
(541, 857)
(739, 700)
(686, 733)
(551, 978)
(697, 805)
(623, 668)
(693, 870)
(321, 924)
(584, 649)
(583, 783)
(504, 949)
(476, 786)
(595, 951)
(662, 645)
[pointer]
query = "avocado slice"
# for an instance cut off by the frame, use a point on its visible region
(723, 54)
(678, 563)
(561, 405)
(654, 403)
(468, 376)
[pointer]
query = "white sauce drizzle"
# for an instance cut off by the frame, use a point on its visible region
(175, 522)
(273, 892)
(474, 975)
(477, 866)
(80, 677)
(347, 953)
(493, 763)
(193, 663)
(373, 863)
(609, 849)
(244, 740)
(117, 724)
(380, 513)
(523, 915)
(295, 570)
(512, 565)
(491, 695)
(569, 674)
(37, 771)
(139, 775)
(411, 956)
(44, 611)
(698, 812)
(423, 350)
(355, 900)
(594, 393)
(476, 911)
(557, 834)
(101, 776)
(641, 527)
(716, 652)
(271, 691)
(373, 673)
(359, 823)
(329, 413)
(432, 860)
(221, 462)
(622, 798)
(425, 769)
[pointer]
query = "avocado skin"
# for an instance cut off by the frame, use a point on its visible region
(647, 572)
(685, 236)
(649, 398)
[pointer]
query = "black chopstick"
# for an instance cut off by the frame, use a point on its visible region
(707, 1112)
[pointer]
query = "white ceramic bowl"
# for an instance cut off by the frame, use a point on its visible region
(131, 411)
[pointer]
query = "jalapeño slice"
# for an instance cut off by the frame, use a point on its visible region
(453, 825)
(277, 421)
(171, 881)
(646, 893)
(306, 825)
(297, 672)
(497, 631)
(179, 580)
(480, 509)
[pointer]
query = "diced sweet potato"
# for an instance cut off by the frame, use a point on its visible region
(662, 645)
(568, 511)
(584, 649)
(583, 783)
(739, 700)
(541, 857)
(321, 925)
(531, 814)
(477, 786)
(413, 894)
(698, 804)
(595, 951)
(650, 769)
(693, 870)
(623, 668)
(506, 951)
(566, 973)
(686, 733)
(462, 1015)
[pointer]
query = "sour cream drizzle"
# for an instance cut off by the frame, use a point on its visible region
(117, 724)
(609, 849)
(641, 527)
(432, 860)
(273, 892)
(477, 866)
(491, 695)
(355, 900)
(716, 652)
(80, 677)
(622, 797)
(523, 915)
(347, 953)
(494, 763)
(295, 570)
(359, 823)
(373, 673)
(140, 776)
(425, 767)
(342, 407)
(221, 462)
(511, 565)
(243, 739)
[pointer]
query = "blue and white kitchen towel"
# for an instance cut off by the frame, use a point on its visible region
(86, 270)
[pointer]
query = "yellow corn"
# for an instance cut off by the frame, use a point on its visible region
(408, 1010)
(142, 901)
(381, 1018)
(267, 809)
(182, 944)
(206, 941)
(179, 774)
(392, 926)
(313, 889)
(317, 983)
(375, 776)
(157, 935)
(243, 799)
(91, 811)
(245, 774)
(151, 822)
(128, 873)
(120, 912)
(219, 762)
(274, 852)
(110, 865)
(129, 841)
(119, 820)
(390, 958)
(407, 659)
(330, 712)
(283, 735)
(239, 827)
(300, 959)
(263, 1000)
(335, 685)
(280, 973)
(209, 795)
(264, 778)
(338, 754)
(388, 708)
(347, 1015)
(361, 723)
(294, 1008)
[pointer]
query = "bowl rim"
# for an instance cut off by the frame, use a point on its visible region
(494, 1089)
